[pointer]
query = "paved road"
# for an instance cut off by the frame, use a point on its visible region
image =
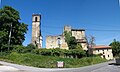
(103, 67)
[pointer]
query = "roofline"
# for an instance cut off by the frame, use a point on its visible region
(101, 47)
(36, 14)
(77, 29)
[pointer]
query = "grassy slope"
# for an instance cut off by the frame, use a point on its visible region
(48, 61)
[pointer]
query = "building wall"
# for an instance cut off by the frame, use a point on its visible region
(52, 42)
(84, 46)
(106, 53)
(78, 34)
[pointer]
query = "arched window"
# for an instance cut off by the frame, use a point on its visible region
(35, 19)
(59, 43)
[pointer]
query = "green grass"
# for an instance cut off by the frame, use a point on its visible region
(49, 61)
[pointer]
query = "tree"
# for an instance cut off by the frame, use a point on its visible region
(10, 23)
(30, 47)
(67, 35)
(115, 47)
(79, 46)
(71, 41)
(90, 41)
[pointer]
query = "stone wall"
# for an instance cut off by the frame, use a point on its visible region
(55, 42)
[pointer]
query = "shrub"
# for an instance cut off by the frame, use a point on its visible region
(22, 49)
(73, 53)
(19, 49)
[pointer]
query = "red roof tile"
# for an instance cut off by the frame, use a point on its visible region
(101, 47)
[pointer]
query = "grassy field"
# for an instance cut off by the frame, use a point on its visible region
(49, 61)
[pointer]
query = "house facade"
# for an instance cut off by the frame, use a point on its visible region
(104, 51)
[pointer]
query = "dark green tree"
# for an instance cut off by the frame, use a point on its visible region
(115, 47)
(71, 41)
(79, 46)
(10, 22)
(67, 35)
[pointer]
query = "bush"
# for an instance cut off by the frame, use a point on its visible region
(4, 48)
(22, 49)
(31, 46)
(19, 49)
(73, 53)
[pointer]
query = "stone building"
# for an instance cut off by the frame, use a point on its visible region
(59, 41)
(56, 42)
(105, 51)
(79, 34)
(36, 30)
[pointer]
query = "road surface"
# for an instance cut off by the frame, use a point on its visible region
(102, 67)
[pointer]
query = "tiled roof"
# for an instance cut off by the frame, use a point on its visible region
(101, 47)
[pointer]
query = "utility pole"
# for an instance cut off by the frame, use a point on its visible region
(9, 36)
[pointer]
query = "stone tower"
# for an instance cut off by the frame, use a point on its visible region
(36, 30)
(67, 28)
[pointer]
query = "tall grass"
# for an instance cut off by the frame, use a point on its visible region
(49, 61)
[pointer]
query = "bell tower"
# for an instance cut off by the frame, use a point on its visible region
(36, 30)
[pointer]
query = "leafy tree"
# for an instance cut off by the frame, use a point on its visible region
(115, 47)
(67, 35)
(71, 41)
(10, 22)
(31, 46)
(79, 46)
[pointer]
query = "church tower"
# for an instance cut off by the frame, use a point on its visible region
(36, 30)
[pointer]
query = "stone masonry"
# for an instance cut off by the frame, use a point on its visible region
(36, 30)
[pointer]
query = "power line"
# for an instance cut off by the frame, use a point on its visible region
(110, 30)
(105, 30)
(49, 32)
(51, 26)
